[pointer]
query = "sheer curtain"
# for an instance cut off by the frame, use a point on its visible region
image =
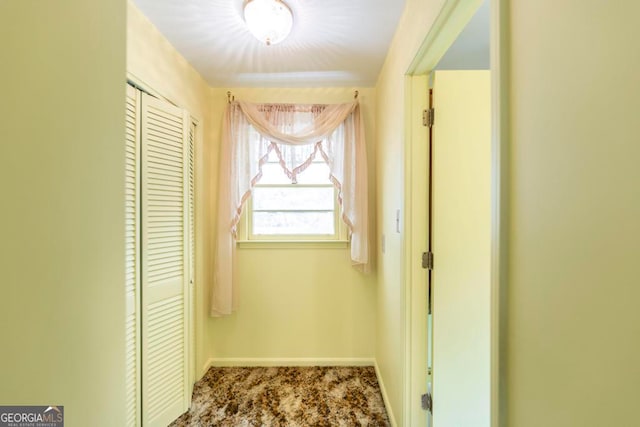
(296, 133)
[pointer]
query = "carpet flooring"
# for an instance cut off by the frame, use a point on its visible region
(286, 397)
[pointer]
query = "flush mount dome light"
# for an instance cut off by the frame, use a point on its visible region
(270, 21)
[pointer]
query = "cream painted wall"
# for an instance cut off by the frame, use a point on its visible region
(303, 302)
(391, 352)
(154, 63)
(461, 245)
(62, 168)
(297, 304)
(573, 323)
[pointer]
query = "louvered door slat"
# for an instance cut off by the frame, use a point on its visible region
(132, 391)
(161, 167)
(169, 121)
(167, 143)
(165, 243)
(132, 261)
(165, 154)
(192, 235)
(165, 261)
(191, 173)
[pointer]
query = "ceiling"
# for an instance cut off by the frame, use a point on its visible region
(333, 42)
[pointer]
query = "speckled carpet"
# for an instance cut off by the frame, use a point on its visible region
(286, 397)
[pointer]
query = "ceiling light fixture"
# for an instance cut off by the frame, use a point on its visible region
(270, 21)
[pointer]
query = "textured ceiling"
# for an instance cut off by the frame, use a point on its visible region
(333, 42)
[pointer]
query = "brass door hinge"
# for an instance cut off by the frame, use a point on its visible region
(428, 117)
(427, 260)
(427, 402)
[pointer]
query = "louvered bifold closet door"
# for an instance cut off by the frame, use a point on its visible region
(165, 261)
(192, 246)
(132, 251)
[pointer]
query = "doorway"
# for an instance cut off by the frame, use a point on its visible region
(450, 349)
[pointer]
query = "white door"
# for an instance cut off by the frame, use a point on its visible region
(164, 261)
(461, 246)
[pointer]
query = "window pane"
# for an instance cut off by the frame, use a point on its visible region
(296, 223)
(293, 198)
(316, 173)
(272, 173)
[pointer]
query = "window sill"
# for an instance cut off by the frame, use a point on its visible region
(290, 244)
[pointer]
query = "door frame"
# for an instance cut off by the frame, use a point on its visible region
(453, 17)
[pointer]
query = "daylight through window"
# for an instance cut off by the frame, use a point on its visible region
(303, 208)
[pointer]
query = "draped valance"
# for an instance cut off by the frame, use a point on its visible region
(335, 131)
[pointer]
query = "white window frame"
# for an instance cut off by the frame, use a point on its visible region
(246, 238)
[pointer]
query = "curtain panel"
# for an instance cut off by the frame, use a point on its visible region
(296, 133)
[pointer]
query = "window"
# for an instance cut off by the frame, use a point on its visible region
(299, 208)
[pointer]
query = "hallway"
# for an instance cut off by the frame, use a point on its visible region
(565, 205)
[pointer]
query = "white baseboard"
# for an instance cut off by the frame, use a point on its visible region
(301, 361)
(385, 397)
